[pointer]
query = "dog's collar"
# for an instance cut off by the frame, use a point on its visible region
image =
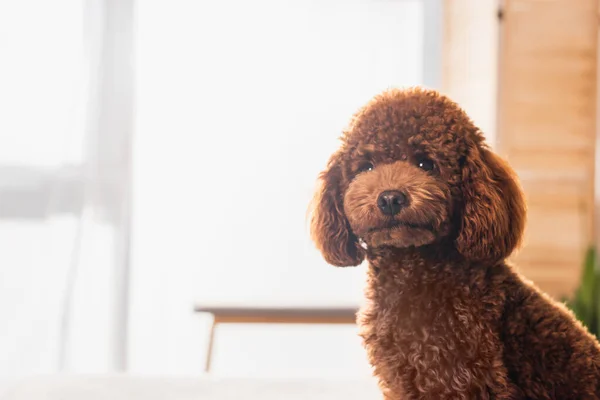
(363, 244)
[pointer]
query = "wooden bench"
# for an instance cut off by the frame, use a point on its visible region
(267, 315)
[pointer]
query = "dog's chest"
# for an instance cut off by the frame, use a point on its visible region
(427, 332)
(424, 323)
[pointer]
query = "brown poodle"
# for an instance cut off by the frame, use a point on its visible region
(415, 190)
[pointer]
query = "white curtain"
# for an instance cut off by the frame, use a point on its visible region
(239, 104)
(65, 100)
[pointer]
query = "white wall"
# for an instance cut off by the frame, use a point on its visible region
(239, 106)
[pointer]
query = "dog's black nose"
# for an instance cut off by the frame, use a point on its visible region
(391, 202)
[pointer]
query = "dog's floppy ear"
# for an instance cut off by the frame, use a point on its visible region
(329, 228)
(493, 216)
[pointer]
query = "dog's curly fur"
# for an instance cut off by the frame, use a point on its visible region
(446, 316)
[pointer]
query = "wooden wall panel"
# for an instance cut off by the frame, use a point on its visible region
(470, 59)
(547, 130)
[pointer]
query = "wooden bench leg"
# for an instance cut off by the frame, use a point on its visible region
(209, 350)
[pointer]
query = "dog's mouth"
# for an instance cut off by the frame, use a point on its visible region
(399, 234)
(396, 225)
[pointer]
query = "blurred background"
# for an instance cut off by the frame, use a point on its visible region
(157, 159)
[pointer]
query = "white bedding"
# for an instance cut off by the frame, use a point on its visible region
(147, 388)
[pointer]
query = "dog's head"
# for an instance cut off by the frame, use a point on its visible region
(413, 170)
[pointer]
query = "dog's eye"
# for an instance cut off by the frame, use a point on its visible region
(425, 164)
(367, 166)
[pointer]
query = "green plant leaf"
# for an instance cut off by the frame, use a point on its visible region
(585, 303)
(588, 282)
(596, 328)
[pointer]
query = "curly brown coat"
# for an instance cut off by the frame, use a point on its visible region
(415, 190)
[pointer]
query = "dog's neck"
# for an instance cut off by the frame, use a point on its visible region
(419, 268)
(432, 256)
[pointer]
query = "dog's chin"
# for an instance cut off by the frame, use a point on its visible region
(399, 236)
